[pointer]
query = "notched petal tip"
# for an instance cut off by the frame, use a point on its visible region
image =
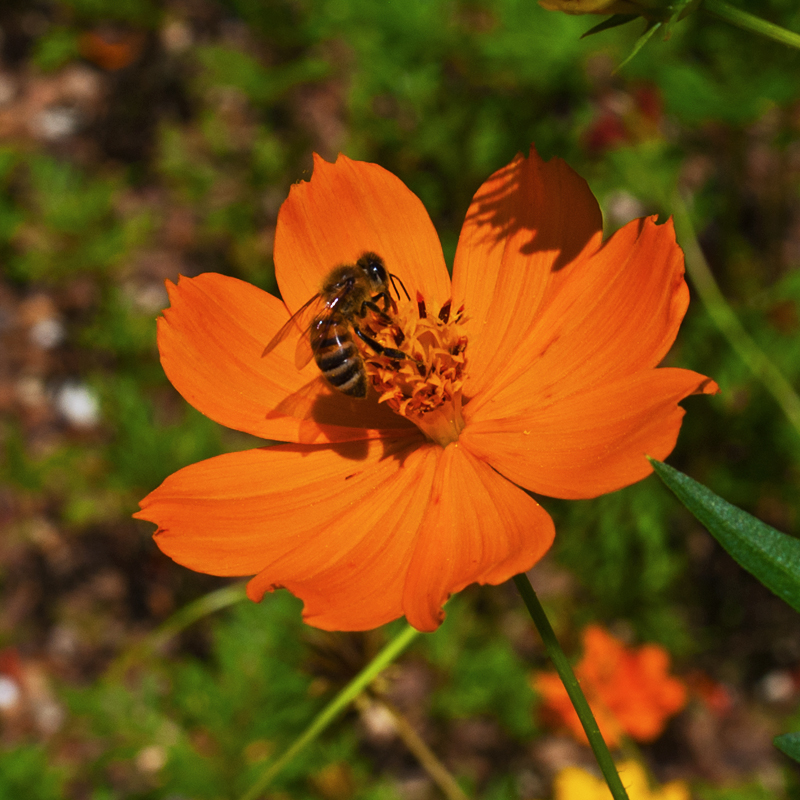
(260, 585)
(348, 208)
(541, 205)
(708, 386)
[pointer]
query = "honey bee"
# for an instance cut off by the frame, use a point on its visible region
(348, 293)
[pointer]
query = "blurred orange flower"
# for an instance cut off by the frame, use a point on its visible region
(574, 783)
(629, 689)
(111, 51)
(533, 369)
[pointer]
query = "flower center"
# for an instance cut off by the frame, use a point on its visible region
(425, 386)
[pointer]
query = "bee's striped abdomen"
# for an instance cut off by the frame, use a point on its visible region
(337, 355)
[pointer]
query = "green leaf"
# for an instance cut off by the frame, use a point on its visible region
(652, 27)
(679, 11)
(612, 22)
(773, 557)
(789, 743)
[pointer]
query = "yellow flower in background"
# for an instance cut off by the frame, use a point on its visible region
(574, 783)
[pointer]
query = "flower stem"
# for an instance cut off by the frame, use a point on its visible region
(562, 665)
(749, 22)
(726, 320)
(335, 707)
(426, 757)
(179, 621)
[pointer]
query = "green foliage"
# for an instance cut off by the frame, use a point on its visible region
(789, 743)
(230, 68)
(27, 772)
(703, 76)
(438, 99)
(119, 328)
(70, 226)
(753, 791)
(58, 47)
(441, 92)
(91, 486)
(214, 723)
(695, 96)
(11, 215)
(621, 548)
(502, 789)
(144, 453)
(66, 201)
(139, 12)
(481, 675)
(614, 21)
(490, 679)
(773, 557)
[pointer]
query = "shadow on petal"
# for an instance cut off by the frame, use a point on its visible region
(318, 407)
(531, 198)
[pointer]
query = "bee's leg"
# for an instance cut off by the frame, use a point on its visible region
(388, 301)
(381, 313)
(389, 352)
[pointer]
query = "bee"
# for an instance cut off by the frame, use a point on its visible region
(348, 293)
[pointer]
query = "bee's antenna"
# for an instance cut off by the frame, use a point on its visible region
(394, 285)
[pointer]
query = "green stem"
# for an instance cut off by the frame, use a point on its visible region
(426, 757)
(726, 320)
(749, 22)
(180, 620)
(562, 665)
(190, 613)
(336, 706)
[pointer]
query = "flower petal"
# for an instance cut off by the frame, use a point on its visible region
(334, 525)
(346, 209)
(616, 313)
(592, 442)
(525, 231)
(478, 527)
(211, 341)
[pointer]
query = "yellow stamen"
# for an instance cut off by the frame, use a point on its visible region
(425, 386)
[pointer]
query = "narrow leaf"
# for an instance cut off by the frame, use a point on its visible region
(789, 743)
(652, 27)
(678, 11)
(612, 22)
(773, 557)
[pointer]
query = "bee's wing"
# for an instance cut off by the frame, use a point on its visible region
(299, 321)
(303, 352)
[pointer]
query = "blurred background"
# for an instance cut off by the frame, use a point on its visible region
(143, 139)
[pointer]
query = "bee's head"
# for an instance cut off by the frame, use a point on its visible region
(375, 270)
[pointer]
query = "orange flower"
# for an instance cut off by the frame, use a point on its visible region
(111, 51)
(630, 690)
(534, 369)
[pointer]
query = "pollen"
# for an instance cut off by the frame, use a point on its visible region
(425, 386)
